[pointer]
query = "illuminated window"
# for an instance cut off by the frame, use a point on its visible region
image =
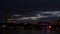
(11, 21)
(49, 26)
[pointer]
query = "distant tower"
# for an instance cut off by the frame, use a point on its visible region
(9, 15)
(10, 19)
(6, 15)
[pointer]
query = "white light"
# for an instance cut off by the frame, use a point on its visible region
(25, 23)
(25, 18)
(41, 16)
(34, 18)
(16, 15)
(38, 15)
(58, 15)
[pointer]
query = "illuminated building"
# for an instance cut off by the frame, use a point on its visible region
(11, 19)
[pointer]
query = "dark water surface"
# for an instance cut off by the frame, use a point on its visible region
(13, 30)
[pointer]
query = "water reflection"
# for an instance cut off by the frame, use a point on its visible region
(15, 29)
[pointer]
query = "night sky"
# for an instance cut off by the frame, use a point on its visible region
(27, 6)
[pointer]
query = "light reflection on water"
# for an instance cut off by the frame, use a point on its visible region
(27, 31)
